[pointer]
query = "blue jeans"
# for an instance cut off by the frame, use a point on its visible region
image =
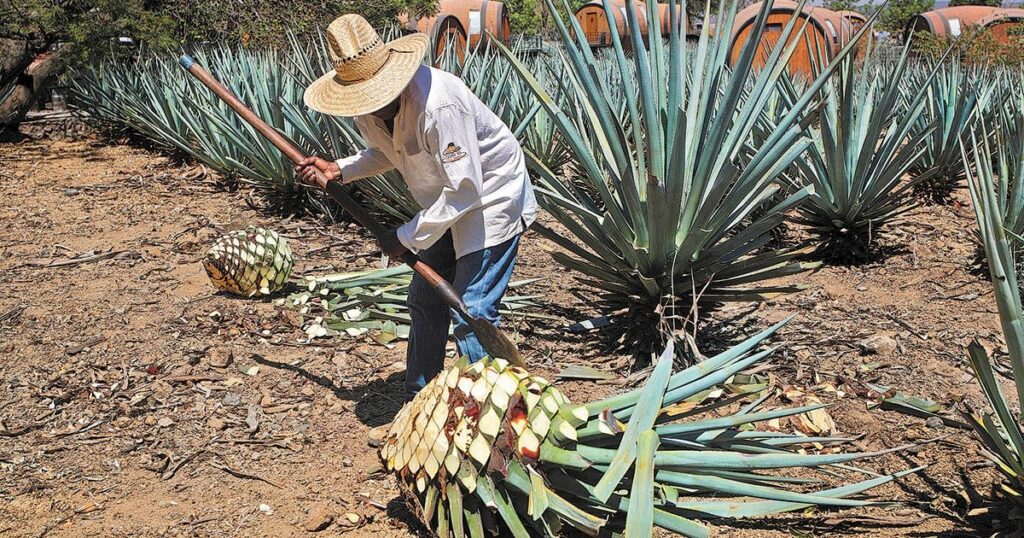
(481, 278)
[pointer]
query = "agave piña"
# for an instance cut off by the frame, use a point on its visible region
(491, 447)
(249, 262)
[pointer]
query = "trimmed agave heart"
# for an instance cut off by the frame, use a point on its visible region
(491, 447)
(249, 262)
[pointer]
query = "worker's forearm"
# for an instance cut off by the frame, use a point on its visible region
(366, 163)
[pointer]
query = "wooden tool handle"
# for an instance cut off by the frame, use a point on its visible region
(334, 188)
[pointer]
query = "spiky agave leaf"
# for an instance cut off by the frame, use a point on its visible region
(249, 262)
(955, 100)
(1000, 433)
(868, 136)
(665, 222)
(490, 447)
(1008, 162)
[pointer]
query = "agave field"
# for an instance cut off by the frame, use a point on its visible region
(755, 304)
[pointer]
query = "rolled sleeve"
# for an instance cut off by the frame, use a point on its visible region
(451, 137)
(366, 163)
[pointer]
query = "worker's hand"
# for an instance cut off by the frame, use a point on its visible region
(390, 245)
(306, 170)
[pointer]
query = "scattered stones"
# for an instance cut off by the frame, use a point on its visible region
(878, 344)
(319, 518)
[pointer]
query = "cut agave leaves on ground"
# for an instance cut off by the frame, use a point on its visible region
(490, 447)
(374, 302)
(661, 212)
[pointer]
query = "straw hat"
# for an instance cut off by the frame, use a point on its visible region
(368, 73)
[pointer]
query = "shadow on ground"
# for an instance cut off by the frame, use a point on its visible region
(377, 402)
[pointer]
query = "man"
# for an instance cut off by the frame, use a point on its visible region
(462, 165)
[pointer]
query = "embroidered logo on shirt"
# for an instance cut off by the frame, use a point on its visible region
(452, 153)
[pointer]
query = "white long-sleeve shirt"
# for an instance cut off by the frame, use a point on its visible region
(461, 162)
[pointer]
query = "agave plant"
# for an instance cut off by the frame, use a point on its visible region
(489, 75)
(869, 134)
(1008, 160)
(490, 447)
(1001, 435)
(153, 97)
(954, 101)
(664, 224)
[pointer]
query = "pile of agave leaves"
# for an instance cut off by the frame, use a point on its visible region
(374, 301)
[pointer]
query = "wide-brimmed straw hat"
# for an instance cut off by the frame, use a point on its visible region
(368, 73)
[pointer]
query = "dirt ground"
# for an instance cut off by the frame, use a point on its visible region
(114, 422)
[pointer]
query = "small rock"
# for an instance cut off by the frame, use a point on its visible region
(878, 344)
(150, 420)
(70, 192)
(935, 423)
(220, 357)
(216, 424)
(266, 400)
(122, 422)
(376, 436)
(346, 462)
(266, 509)
(320, 517)
(165, 422)
(231, 399)
(350, 519)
